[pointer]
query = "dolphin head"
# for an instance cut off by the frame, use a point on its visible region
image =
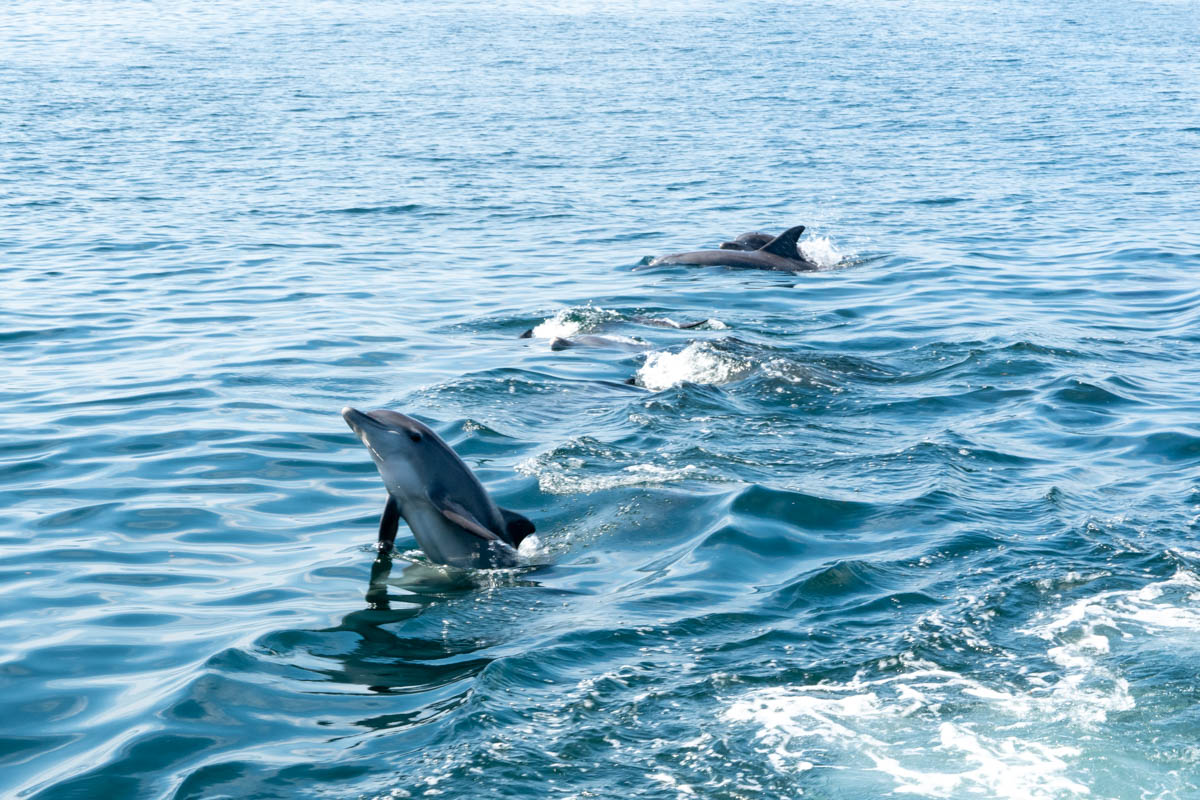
(403, 448)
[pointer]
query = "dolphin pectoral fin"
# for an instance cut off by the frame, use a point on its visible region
(785, 243)
(388, 523)
(377, 588)
(517, 526)
(465, 520)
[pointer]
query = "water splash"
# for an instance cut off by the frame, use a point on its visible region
(699, 362)
(821, 251)
(568, 322)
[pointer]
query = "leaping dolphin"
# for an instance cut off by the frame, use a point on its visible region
(446, 507)
(778, 254)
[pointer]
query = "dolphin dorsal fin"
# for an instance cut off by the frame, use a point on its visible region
(785, 243)
(517, 526)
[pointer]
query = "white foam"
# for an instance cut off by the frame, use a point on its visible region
(531, 547)
(896, 726)
(935, 733)
(569, 321)
(821, 251)
(699, 362)
(670, 782)
(566, 476)
(1169, 604)
(1084, 633)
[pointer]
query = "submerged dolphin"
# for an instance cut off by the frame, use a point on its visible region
(446, 507)
(778, 254)
(653, 321)
(611, 342)
(748, 241)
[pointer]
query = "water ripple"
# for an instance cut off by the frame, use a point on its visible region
(922, 522)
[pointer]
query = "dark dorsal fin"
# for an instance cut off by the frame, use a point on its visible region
(785, 243)
(518, 527)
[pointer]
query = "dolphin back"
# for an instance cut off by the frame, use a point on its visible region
(752, 259)
(780, 253)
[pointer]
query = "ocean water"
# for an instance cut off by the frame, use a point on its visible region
(921, 524)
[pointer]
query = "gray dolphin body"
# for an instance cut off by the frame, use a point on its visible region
(778, 254)
(446, 507)
(748, 241)
(609, 342)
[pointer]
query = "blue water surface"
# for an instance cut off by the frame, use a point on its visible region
(920, 524)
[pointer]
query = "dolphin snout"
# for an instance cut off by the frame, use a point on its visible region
(354, 418)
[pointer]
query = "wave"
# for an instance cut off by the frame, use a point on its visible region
(587, 465)
(913, 726)
(585, 319)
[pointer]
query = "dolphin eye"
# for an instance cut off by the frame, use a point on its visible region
(414, 436)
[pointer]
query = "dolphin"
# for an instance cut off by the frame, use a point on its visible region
(446, 507)
(778, 254)
(748, 241)
(611, 342)
(653, 321)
